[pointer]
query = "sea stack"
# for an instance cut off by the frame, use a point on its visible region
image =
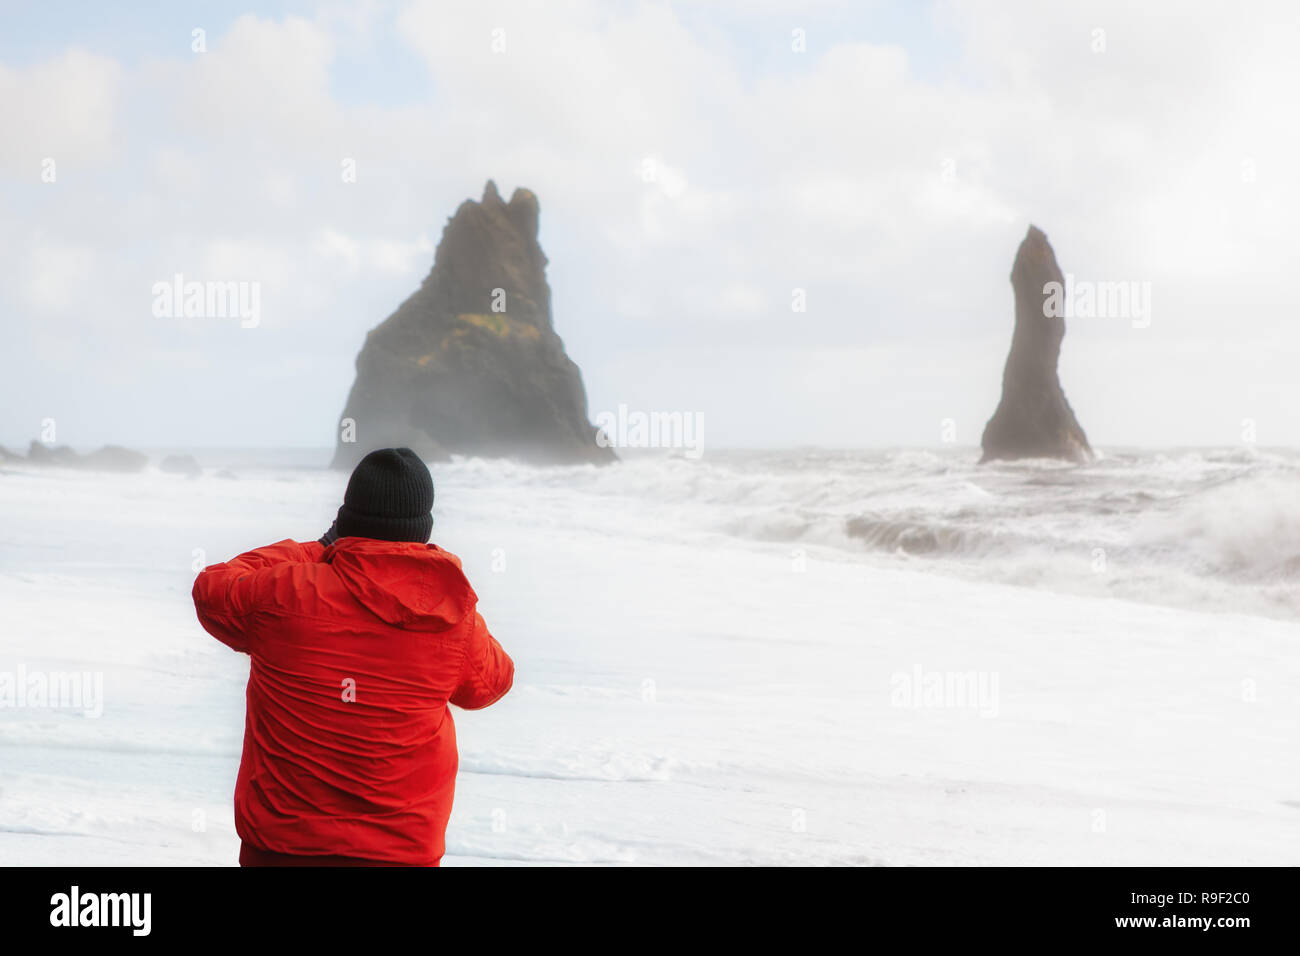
(1034, 420)
(471, 364)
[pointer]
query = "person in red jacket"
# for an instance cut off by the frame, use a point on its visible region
(358, 643)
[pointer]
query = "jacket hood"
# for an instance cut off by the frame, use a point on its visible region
(416, 586)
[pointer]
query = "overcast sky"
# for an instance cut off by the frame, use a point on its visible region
(885, 157)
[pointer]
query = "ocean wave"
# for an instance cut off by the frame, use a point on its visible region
(924, 537)
(1131, 523)
(1247, 530)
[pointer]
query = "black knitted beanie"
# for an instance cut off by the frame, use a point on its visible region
(389, 497)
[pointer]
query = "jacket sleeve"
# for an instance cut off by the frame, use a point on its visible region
(488, 672)
(227, 594)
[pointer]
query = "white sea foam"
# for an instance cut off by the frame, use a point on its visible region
(1213, 528)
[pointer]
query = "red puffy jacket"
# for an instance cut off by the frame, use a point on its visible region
(357, 649)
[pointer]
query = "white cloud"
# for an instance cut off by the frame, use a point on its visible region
(334, 245)
(59, 275)
(63, 109)
(395, 257)
(374, 256)
(894, 194)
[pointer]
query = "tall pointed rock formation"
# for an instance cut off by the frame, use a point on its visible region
(1034, 420)
(471, 363)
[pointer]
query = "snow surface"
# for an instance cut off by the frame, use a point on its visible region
(682, 696)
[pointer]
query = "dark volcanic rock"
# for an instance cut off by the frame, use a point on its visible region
(108, 458)
(40, 454)
(1034, 420)
(181, 465)
(471, 364)
(114, 458)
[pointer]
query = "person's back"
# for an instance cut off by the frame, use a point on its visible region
(357, 646)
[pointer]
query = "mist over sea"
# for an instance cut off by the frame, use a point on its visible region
(1207, 528)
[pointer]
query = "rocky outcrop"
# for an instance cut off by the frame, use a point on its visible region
(1034, 420)
(108, 458)
(471, 364)
(114, 458)
(40, 454)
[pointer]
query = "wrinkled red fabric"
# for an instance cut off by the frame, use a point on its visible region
(250, 855)
(356, 651)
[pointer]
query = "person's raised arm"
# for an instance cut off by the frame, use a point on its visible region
(488, 673)
(226, 594)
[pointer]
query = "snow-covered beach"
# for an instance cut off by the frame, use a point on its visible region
(716, 665)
